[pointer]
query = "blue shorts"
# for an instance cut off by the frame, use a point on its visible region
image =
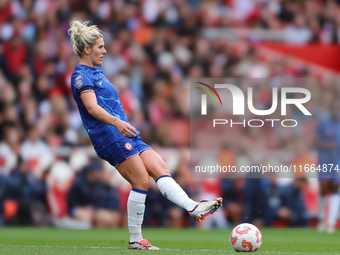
(123, 149)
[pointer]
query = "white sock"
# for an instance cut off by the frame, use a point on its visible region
(135, 210)
(333, 212)
(322, 203)
(172, 191)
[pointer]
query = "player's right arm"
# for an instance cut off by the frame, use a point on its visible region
(90, 101)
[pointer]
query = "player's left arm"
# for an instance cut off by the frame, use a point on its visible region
(90, 101)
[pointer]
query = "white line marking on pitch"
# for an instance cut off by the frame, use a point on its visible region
(165, 249)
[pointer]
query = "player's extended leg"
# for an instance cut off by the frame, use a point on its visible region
(158, 170)
(133, 170)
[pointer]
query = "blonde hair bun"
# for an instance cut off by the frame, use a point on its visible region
(83, 34)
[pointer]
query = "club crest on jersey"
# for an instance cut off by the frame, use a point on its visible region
(128, 146)
(79, 81)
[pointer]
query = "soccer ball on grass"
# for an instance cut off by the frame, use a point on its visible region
(245, 238)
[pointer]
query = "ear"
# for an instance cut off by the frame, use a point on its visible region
(87, 50)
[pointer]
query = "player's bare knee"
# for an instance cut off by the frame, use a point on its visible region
(145, 183)
(141, 183)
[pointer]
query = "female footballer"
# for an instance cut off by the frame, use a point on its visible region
(116, 141)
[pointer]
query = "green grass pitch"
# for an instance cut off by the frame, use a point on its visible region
(40, 241)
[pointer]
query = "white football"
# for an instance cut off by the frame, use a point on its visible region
(245, 238)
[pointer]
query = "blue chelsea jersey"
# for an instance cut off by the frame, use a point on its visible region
(85, 78)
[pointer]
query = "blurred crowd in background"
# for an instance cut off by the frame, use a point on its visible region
(48, 167)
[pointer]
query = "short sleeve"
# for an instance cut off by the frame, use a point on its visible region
(82, 84)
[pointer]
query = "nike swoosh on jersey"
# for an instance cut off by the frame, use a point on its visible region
(100, 82)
